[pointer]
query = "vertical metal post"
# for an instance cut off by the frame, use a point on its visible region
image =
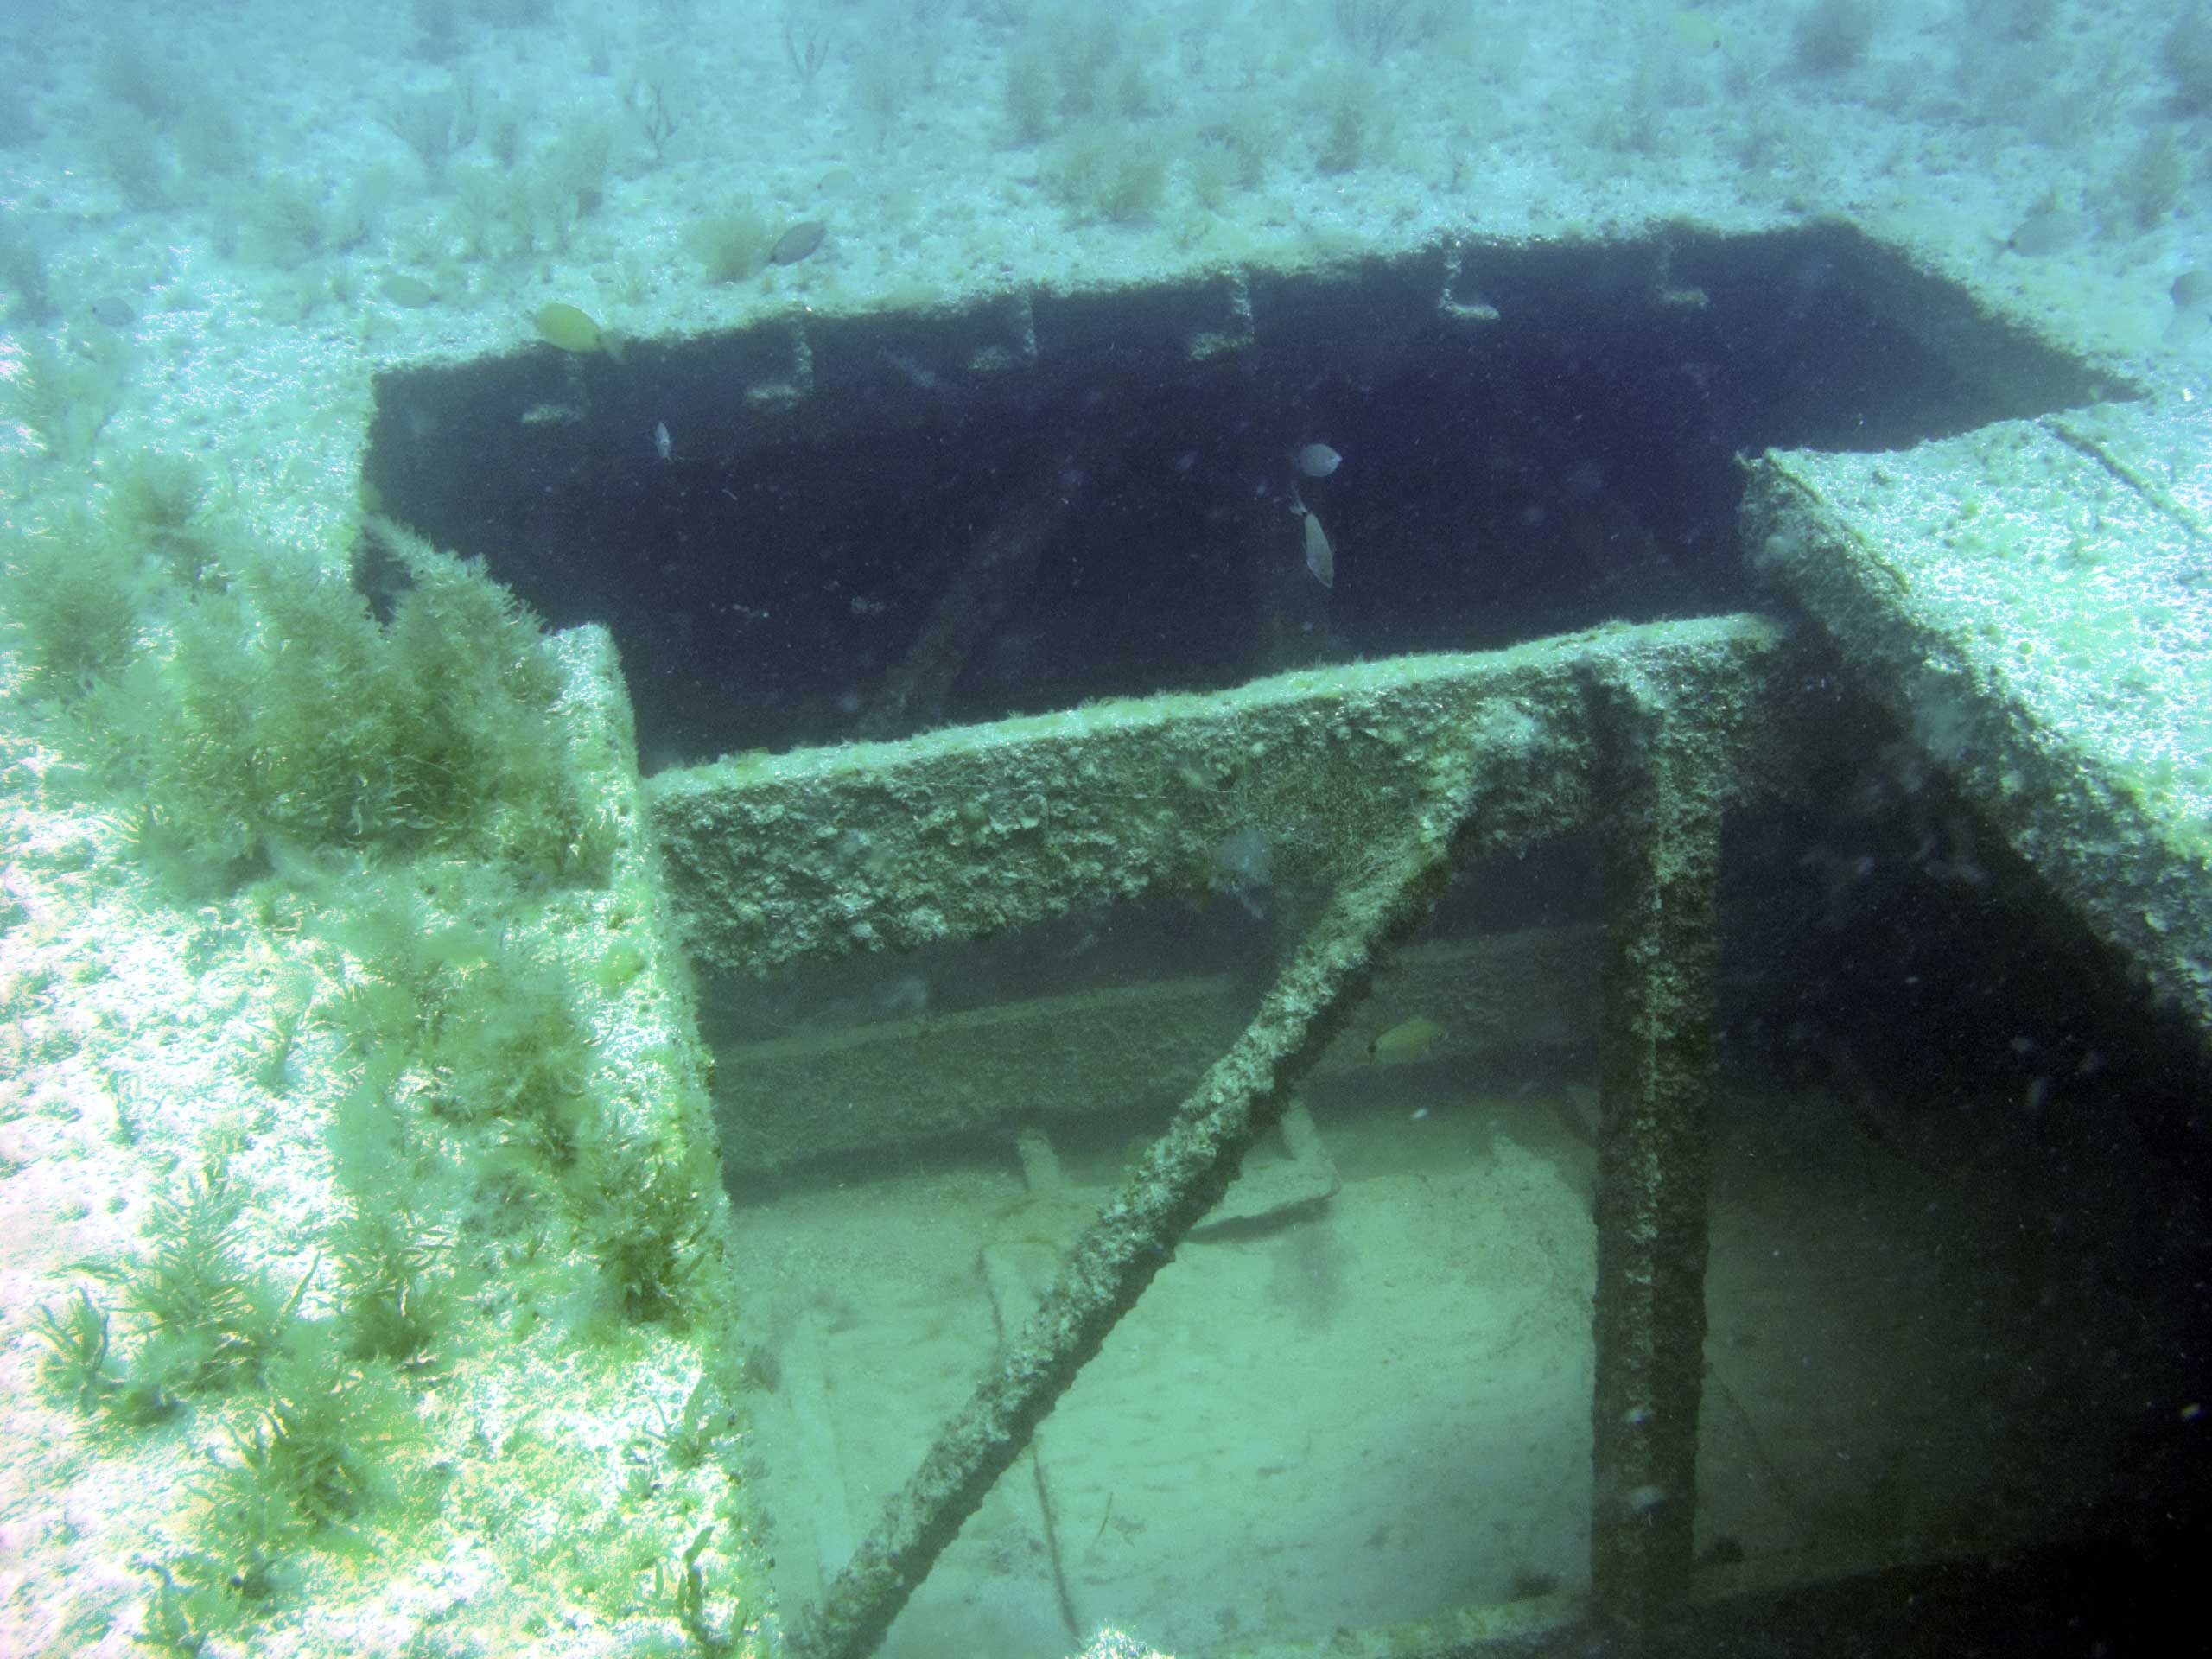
(1666, 778)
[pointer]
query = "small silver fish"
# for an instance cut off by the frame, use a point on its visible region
(1320, 557)
(664, 446)
(1319, 461)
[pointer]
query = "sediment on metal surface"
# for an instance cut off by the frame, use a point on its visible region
(1668, 782)
(972, 832)
(2025, 601)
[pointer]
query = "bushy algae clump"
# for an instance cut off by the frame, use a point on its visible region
(466, 1137)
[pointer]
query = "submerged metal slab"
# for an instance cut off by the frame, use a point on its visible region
(1125, 1049)
(2030, 600)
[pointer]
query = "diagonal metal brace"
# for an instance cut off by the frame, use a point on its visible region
(1177, 1180)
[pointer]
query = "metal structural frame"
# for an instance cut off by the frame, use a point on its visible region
(1646, 734)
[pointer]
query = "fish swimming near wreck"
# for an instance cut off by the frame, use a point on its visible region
(1320, 557)
(1407, 1040)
